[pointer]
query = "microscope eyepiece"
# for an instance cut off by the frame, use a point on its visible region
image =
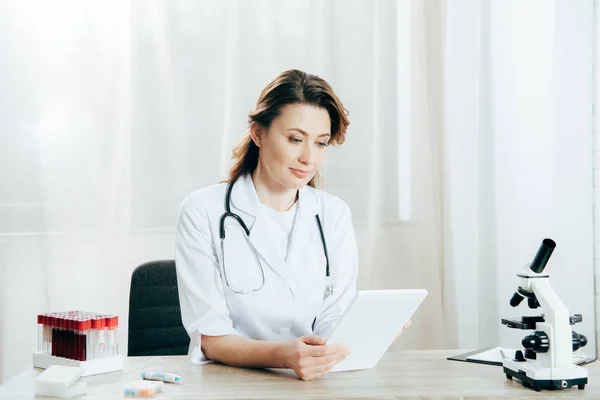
(542, 256)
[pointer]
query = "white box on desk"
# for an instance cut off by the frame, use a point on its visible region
(90, 367)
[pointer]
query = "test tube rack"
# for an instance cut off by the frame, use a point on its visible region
(80, 339)
(90, 367)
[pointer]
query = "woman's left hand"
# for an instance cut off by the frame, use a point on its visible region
(404, 328)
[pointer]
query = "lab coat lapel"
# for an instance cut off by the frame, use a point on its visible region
(305, 227)
(245, 200)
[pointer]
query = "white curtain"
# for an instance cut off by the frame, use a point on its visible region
(113, 111)
(457, 161)
(518, 158)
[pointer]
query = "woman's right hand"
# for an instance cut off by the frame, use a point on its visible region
(310, 357)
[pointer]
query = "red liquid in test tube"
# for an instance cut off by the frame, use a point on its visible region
(78, 335)
(73, 338)
(60, 333)
(55, 321)
(69, 338)
(63, 334)
(57, 330)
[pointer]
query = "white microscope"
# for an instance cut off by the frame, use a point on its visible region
(547, 362)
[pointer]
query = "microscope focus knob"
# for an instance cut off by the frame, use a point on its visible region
(537, 341)
(579, 340)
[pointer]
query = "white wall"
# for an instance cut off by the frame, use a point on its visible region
(521, 166)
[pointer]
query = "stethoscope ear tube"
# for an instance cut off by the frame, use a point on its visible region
(324, 245)
(328, 286)
(228, 213)
(238, 219)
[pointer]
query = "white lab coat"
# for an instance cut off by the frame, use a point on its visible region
(292, 296)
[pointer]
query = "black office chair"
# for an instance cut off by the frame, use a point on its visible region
(155, 327)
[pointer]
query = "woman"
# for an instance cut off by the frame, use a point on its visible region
(271, 295)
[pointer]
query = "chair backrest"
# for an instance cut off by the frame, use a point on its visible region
(155, 327)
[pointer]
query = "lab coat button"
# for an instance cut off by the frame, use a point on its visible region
(284, 331)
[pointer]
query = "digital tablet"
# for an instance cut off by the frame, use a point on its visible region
(371, 323)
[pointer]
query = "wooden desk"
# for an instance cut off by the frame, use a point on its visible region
(400, 375)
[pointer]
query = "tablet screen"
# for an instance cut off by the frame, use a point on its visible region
(371, 323)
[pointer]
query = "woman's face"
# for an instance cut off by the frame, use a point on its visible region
(295, 145)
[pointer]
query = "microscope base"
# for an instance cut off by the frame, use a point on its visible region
(546, 384)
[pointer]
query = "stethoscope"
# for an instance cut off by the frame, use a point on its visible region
(228, 213)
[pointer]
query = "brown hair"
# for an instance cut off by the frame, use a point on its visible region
(289, 87)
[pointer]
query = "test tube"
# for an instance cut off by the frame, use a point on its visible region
(83, 330)
(77, 333)
(64, 335)
(106, 318)
(89, 348)
(112, 323)
(40, 321)
(69, 337)
(49, 329)
(60, 342)
(62, 328)
(73, 337)
(55, 329)
(86, 325)
(77, 336)
(44, 336)
(94, 337)
(116, 324)
(47, 335)
(99, 350)
(59, 334)
(43, 349)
